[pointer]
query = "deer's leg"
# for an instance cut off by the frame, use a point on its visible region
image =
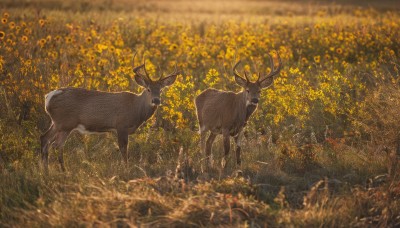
(58, 144)
(46, 140)
(238, 148)
(203, 135)
(227, 145)
(209, 143)
(123, 143)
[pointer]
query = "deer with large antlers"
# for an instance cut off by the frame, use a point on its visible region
(89, 111)
(226, 112)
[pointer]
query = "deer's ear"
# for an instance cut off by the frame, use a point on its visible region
(267, 82)
(168, 81)
(240, 81)
(140, 81)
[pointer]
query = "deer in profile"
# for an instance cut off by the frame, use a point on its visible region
(226, 112)
(90, 111)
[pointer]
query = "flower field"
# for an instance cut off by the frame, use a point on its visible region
(321, 149)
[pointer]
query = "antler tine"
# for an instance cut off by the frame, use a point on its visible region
(137, 70)
(176, 72)
(273, 70)
(133, 59)
(159, 70)
(247, 77)
(271, 62)
(236, 73)
(176, 69)
(145, 71)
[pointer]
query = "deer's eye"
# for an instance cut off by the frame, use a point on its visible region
(248, 91)
(148, 89)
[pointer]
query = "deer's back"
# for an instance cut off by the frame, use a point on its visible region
(73, 106)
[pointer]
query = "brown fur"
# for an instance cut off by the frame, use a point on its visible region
(99, 111)
(226, 113)
(96, 111)
(218, 110)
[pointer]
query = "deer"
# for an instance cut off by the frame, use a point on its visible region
(92, 111)
(226, 113)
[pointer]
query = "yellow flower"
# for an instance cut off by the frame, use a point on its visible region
(317, 58)
(42, 22)
(24, 38)
(327, 57)
(6, 15)
(88, 39)
(42, 42)
(173, 47)
(4, 20)
(68, 39)
(11, 24)
(339, 51)
(2, 35)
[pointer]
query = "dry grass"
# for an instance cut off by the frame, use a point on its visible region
(340, 191)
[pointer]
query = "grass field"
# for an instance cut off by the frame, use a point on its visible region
(321, 150)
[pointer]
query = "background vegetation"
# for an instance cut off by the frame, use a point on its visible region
(321, 150)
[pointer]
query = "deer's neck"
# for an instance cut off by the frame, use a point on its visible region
(245, 108)
(241, 105)
(147, 109)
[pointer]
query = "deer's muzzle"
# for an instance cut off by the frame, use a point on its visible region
(156, 101)
(254, 101)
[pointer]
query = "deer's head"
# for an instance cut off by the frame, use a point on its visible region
(154, 88)
(252, 90)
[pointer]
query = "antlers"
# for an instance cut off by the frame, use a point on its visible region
(237, 74)
(273, 70)
(271, 74)
(146, 76)
(176, 72)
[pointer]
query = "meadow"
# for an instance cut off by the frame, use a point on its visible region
(321, 150)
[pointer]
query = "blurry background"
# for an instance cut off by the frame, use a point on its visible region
(217, 8)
